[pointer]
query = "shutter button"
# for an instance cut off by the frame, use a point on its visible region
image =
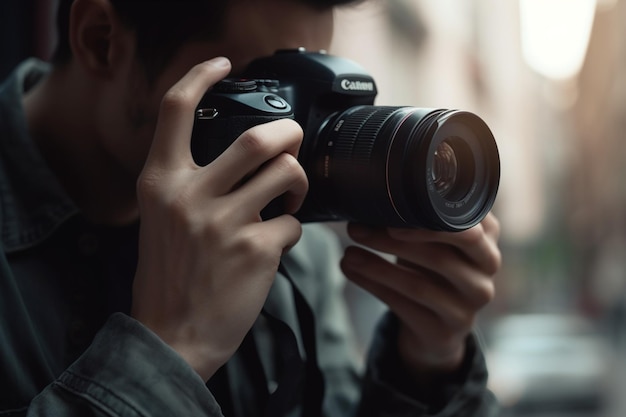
(275, 102)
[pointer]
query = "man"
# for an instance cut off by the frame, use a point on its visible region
(131, 276)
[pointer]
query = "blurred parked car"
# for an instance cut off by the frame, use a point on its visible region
(548, 362)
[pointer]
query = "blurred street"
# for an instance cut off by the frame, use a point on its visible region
(549, 78)
(576, 379)
(614, 406)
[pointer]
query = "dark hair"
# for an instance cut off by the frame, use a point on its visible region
(162, 26)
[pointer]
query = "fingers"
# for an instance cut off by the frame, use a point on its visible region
(265, 154)
(465, 262)
(411, 294)
(176, 115)
(435, 316)
(206, 258)
(258, 167)
(478, 244)
(281, 176)
(439, 283)
(253, 149)
(286, 232)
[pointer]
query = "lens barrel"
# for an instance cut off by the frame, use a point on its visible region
(406, 167)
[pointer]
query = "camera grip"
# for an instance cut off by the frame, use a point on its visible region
(211, 137)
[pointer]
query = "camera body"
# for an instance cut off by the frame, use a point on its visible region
(366, 163)
(305, 86)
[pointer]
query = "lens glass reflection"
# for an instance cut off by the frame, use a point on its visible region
(445, 168)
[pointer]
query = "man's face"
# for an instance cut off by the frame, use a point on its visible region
(253, 29)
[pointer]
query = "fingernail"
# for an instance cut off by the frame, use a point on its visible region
(220, 62)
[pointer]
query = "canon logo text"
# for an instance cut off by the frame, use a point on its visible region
(357, 85)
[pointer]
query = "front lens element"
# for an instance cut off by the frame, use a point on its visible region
(445, 168)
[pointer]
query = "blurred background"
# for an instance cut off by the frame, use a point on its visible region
(546, 76)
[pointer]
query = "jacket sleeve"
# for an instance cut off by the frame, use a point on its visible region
(127, 371)
(377, 388)
(387, 389)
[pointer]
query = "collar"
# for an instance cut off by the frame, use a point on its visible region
(32, 202)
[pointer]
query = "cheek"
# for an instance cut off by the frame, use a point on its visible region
(140, 125)
(127, 132)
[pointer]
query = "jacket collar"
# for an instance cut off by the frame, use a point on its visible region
(32, 202)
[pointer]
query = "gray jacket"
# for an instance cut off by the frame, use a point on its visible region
(69, 348)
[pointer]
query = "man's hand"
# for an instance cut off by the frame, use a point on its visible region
(206, 258)
(436, 288)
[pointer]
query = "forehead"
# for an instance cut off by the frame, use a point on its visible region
(252, 29)
(258, 28)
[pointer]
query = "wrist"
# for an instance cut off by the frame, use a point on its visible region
(409, 375)
(202, 359)
(194, 347)
(427, 362)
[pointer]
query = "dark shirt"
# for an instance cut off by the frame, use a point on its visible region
(69, 348)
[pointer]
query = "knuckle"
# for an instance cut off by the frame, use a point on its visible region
(485, 293)
(146, 185)
(198, 226)
(493, 262)
(289, 167)
(474, 235)
(288, 164)
(176, 98)
(149, 188)
(253, 141)
(254, 246)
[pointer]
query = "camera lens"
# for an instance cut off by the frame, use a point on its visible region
(445, 168)
(405, 167)
(453, 169)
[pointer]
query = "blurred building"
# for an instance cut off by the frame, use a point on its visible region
(549, 77)
(562, 197)
(546, 76)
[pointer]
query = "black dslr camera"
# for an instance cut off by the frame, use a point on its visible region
(383, 165)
